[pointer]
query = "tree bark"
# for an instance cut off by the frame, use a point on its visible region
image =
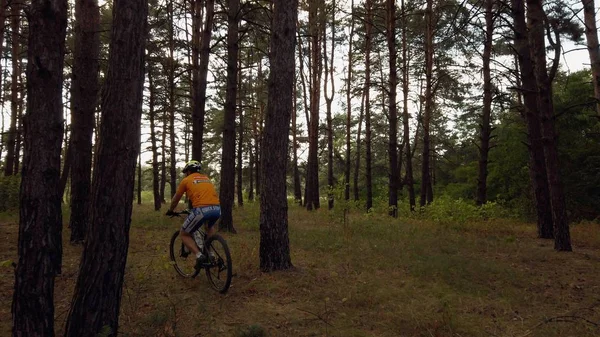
(97, 296)
(84, 93)
(3, 7)
(274, 237)
(240, 149)
(153, 141)
(485, 129)
(297, 184)
(358, 143)
(66, 169)
(163, 155)
(197, 119)
(349, 78)
(426, 197)
(170, 72)
(227, 188)
(250, 172)
(40, 220)
(368, 155)
(139, 177)
(316, 66)
(537, 164)
(393, 108)
(19, 129)
(405, 116)
(256, 129)
(328, 62)
(591, 35)
(9, 165)
(199, 112)
(535, 18)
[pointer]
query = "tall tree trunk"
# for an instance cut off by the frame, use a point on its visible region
(163, 157)
(97, 296)
(393, 108)
(485, 129)
(227, 188)
(19, 129)
(66, 170)
(172, 101)
(349, 78)
(591, 35)
(297, 184)
(405, 116)
(3, 7)
(328, 62)
(250, 172)
(306, 108)
(196, 11)
(537, 163)
(199, 112)
(9, 165)
(312, 177)
(2, 126)
(153, 141)
(240, 164)
(535, 18)
(368, 155)
(84, 93)
(358, 134)
(426, 198)
(257, 128)
(274, 237)
(139, 177)
(40, 220)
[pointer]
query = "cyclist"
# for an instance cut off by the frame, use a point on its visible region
(205, 207)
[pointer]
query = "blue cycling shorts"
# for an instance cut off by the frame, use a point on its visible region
(201, 215)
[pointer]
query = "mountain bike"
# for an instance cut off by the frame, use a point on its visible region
(218, 268)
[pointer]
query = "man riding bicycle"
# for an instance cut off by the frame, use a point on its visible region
(205, 207)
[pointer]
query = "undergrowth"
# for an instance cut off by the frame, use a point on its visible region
(449, 269)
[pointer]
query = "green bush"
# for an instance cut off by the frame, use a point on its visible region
(9, 192)
(448, 210)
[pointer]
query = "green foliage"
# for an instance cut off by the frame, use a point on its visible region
(579, 136)
(508, 182)
(444, 209)
(448, 210)
(9, 192)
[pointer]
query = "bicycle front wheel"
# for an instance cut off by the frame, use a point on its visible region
(182, 260)
(219, 271)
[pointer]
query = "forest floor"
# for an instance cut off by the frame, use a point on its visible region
(360, 275)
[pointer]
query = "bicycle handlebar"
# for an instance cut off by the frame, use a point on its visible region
(178, 214)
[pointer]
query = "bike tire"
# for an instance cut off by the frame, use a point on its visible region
(184, 265)
(219, 272)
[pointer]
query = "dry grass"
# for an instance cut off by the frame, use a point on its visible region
(366, 276)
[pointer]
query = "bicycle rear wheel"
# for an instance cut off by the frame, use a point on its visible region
(182, 260)
(219, 271)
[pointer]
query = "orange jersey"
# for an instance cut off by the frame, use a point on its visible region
(199, 190)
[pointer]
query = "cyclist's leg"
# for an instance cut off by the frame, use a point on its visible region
(211, 215)
(191, 224)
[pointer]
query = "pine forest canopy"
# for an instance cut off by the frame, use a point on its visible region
(167, 123)
(376, 105)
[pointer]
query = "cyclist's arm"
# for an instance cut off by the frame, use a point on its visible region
(181, 189)
(175, 201)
